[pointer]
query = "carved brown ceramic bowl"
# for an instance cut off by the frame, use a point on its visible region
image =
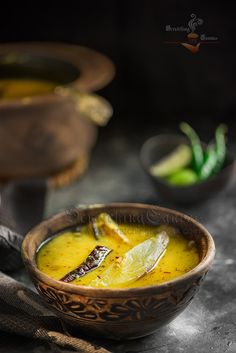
(119, 313)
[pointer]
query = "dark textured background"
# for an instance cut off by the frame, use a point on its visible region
(154, 80)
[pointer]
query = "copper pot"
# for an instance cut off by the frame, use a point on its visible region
(41, 135)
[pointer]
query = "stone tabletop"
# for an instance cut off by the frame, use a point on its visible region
(209, 323)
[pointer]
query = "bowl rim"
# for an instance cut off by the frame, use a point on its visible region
(72, 53)
(144, 149)
(201, 268)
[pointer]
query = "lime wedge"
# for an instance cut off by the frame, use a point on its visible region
(179, 158)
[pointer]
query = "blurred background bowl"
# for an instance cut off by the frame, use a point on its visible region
(159, 146)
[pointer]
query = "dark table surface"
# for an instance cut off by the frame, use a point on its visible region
(209, 323)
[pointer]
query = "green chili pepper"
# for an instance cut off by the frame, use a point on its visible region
(220, 147)
(209, 163)
(198, 156)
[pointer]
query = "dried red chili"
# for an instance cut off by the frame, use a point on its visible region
(94, 260)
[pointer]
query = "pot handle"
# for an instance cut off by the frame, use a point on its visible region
(92, 106)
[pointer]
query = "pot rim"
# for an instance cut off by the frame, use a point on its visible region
(96, 69)
(198, 270)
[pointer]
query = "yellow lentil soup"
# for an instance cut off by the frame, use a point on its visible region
(11, 88)
(67, 251)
